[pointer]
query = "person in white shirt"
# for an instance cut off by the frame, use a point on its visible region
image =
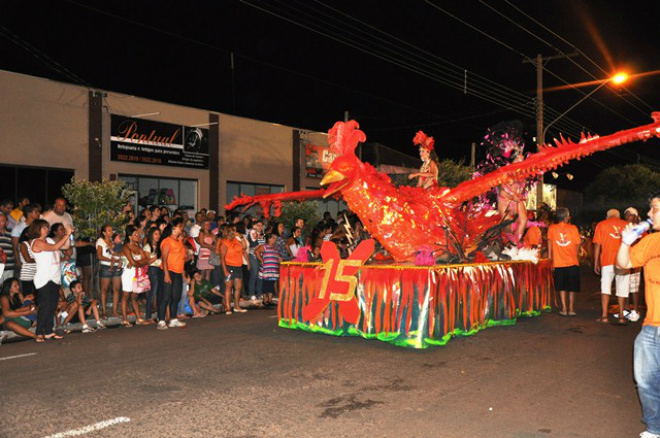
(31, 212)
(48, 277)
(58, 214)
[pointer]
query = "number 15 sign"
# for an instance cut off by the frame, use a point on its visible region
(339, 281)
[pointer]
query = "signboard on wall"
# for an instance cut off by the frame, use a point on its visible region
(317, 160)
(164, 144)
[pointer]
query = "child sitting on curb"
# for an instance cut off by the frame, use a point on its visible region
(200, 292)
(86, 307)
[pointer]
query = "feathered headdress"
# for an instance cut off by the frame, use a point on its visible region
(424, 141)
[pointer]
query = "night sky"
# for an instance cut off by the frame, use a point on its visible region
(450, 68)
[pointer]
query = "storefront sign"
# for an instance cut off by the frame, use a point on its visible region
(148, 142)
(318, 160)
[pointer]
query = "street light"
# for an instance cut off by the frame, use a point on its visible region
(619, 78)
(556, 175)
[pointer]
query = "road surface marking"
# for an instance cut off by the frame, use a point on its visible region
(17, 356)
(91, 428)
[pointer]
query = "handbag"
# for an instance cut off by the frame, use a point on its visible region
(141, 281)
(214, 259)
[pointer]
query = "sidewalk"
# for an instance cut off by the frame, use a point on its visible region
(115, 321)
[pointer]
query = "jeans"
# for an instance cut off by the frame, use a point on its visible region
(181, 307)
(157, 281)
(647, 375)
(255, 285)
(171, 296)
(48, 297)
(218, 278)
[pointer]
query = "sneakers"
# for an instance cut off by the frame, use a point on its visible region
(87, 329)
(633, 316)
(646, 434)
(239, 310)
(3, 337)
(176, 323)
(253, 298)
(100, 325)
(162, 325)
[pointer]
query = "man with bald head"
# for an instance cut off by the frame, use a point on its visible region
(607, 239)
(58, 214)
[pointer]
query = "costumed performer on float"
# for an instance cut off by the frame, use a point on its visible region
(428, 173)
(505, 146)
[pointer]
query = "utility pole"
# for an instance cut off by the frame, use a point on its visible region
(539, 62)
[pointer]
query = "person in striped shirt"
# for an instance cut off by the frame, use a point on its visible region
(6, 247)
(269, 258)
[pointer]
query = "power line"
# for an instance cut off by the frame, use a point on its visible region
(172, 34)
(575, 48)
(50, 62)
(43, 58)
(459, 70)
(245, 57)
(513, 107)
(431, 55)
(510, 20)
(279, 13)
(523, 55)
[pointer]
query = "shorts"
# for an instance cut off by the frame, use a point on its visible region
(21, 320)
(635, 279)
(105, 272)
(268, 286)
(235, 272)
(567, 279)
(127, 280)
(608, 274)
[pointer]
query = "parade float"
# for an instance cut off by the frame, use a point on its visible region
(458, 292)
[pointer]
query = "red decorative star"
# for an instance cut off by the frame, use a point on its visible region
(339, 281)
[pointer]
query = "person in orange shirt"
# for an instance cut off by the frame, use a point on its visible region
(232, 252)
(646, 357)
(563, 249)
(173, 258)
(607, 239)
(632, 216)
(533, 237)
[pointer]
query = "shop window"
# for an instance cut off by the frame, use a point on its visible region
(332, 205)
(41, 185)
(173, 193)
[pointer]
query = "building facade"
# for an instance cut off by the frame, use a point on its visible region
(169, 154)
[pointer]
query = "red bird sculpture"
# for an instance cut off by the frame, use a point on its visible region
(407, 219)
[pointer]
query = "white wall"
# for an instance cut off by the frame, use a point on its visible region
(43, 123)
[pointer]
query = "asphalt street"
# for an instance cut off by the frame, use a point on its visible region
(241, 375)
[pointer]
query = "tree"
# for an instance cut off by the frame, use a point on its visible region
(450, 174)
(308, 210)
(96, 204)
(620, 187)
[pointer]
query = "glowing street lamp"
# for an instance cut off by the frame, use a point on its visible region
(556, 175)
(619, 78)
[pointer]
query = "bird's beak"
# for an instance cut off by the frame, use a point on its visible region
(332, 177)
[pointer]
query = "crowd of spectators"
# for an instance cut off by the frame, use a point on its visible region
(161, 267)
